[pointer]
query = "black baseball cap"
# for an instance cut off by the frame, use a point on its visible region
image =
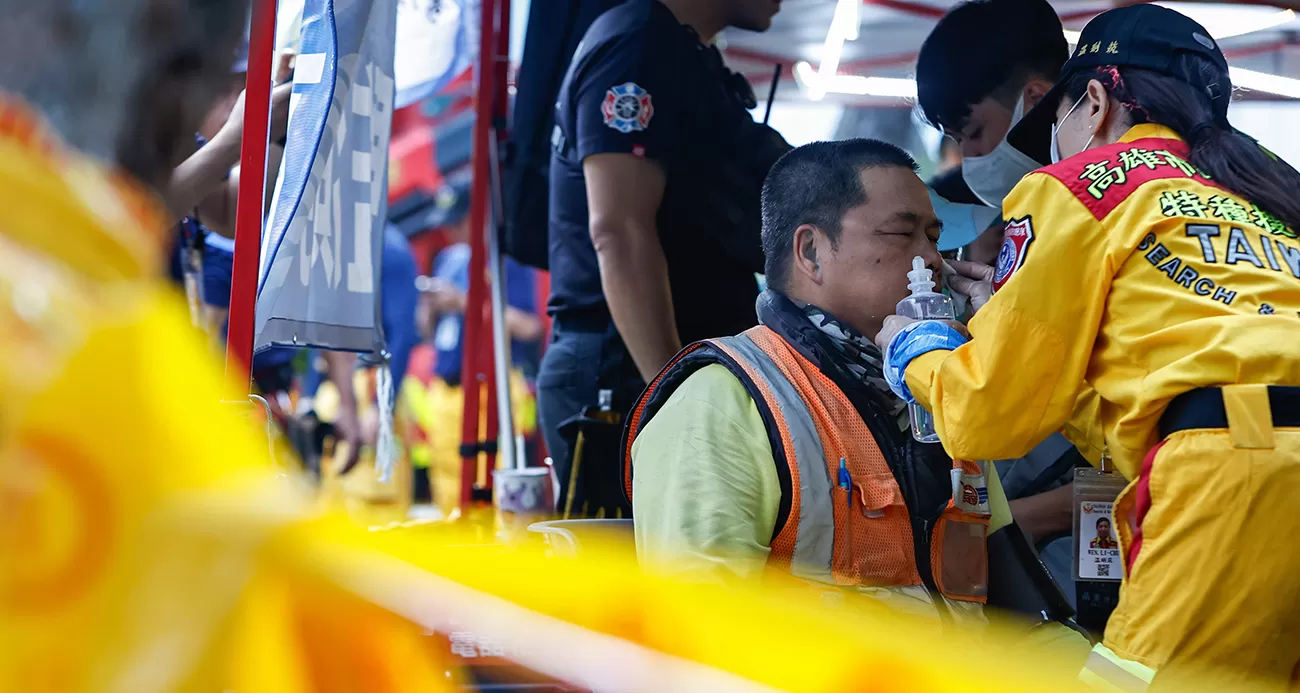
(1146, 36)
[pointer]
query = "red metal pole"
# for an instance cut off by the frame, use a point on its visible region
(501, 68)
(491, 424)
(501, 104)
(252, 189)
(472, 375)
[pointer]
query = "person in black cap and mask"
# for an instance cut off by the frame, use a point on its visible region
(1157, 263)
(984, 65)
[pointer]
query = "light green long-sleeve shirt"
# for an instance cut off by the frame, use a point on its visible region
(704, 482)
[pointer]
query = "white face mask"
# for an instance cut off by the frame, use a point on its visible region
(992, 176)
(1056, 145)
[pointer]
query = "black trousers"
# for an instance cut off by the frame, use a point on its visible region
(578, 364)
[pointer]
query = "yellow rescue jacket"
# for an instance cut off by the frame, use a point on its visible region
(1127, 271)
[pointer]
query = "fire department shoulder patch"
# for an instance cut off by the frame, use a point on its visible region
(627, 108)
(1016, 238)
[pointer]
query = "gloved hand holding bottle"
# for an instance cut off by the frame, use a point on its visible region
(924, 322)
(924, 304)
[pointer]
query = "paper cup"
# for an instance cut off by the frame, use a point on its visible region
(522, 497)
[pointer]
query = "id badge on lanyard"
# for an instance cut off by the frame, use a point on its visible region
(1098, 566)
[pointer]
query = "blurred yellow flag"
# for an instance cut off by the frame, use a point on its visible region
(140, 548)
(139, 515)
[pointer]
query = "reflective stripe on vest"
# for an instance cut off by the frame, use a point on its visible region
(806, 546)
(859, 537)
(1107, 671)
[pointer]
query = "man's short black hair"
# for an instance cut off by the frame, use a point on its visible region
(817, 184)
(1101, 520)
(986, 48)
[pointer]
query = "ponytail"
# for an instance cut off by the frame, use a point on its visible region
(1194, 104)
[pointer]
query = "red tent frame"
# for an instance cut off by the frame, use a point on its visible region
(479, 423)
(251, 201)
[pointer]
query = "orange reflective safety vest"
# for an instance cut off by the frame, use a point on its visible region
(845, 528)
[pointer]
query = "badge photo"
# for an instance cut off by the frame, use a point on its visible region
(1016, 238)
(1098, 542)
(627, 108)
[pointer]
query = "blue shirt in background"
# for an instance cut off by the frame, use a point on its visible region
(399, 299)
(452, 265)
(218, 271)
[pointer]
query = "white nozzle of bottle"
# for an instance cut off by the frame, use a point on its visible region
(920, 279)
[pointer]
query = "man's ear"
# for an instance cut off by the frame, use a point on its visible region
(1035, 89)
(806, 259)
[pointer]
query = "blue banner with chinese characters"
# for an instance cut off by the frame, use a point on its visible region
(321, 252)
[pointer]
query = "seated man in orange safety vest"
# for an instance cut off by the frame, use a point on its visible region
(783, 449)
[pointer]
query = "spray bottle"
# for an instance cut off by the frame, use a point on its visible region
(924, 304)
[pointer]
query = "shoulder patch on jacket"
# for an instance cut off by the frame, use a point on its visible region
(1016, 237)
(1102, 178)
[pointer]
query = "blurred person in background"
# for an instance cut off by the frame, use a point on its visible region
(353, 421)
(656, 169)
(782, 448)
(435, 398)
(133, 100)
(206, 187)
(984, 65)
(1155, 263)
(949, 156)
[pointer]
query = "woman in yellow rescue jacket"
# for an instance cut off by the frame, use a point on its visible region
(1158, 265)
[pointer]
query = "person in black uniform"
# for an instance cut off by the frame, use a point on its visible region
(656, 173)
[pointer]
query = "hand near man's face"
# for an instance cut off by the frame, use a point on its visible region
(230, 112)
(973, 280)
